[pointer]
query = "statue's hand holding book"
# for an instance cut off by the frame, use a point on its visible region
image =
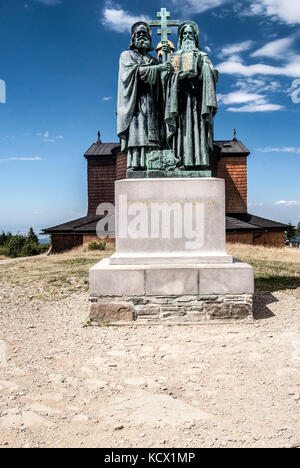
(187, 62)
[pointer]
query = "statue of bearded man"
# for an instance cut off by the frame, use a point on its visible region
(191, 103)
(140, 125)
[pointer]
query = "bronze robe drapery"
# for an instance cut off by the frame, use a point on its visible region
(190, 105)
(139, 127)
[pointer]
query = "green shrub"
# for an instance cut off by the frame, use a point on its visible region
(15, 246)
(21, 246)
(3, 239)
(30, 249)
(97, 245)
(290, 233)
(43, 248)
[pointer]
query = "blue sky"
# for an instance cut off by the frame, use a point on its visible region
(59, 62)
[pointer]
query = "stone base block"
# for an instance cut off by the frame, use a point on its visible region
(171, 292)
(155, 309)
(170, 259)
(110, 311)
(170, 221)
(157, 174)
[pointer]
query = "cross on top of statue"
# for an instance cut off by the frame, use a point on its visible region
(164, 24)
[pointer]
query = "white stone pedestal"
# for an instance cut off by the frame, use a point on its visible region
(170, 261)
(167, 221)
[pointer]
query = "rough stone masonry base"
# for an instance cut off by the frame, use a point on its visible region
(177, 293)
(190, 309)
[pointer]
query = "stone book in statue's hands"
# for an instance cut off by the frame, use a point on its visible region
(185, 62)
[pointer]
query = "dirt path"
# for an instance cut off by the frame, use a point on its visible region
(231, 385)
(7, 261)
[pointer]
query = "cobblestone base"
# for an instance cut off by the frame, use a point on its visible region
(171, 309)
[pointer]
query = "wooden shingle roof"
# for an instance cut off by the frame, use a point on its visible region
(232, 147)
(234, 223)
(228, 147)
(102, 149)
(246, 221)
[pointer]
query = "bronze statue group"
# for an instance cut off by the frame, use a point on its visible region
(169, 104)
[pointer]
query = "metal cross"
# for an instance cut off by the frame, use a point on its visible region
(164, 24)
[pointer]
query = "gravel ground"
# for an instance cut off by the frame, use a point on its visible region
(230, 385)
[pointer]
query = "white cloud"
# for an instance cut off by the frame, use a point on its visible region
(272, 86)
(255, 204)
(20, 159)
(287, 203)
(259, 106)
(249, 93)
(287, 11)
(235, 49)
(291, 69)
(197, 6)
(278, 49)
(259, 85)
(270, 149)
(238, 97)
(117, 19)
(107, 98)
(47, 139)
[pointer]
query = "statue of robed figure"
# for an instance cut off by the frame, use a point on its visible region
(140, 116)
(190, 101)
(166, 109)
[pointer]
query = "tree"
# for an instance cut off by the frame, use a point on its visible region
(32, 237)
(3, 239)
(298, 229)
(21, 246)
(15, 245)
(30, 249)
(290, 233)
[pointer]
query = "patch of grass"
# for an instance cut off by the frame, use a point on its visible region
(81, 273)
(3, 253)
(97, 245)
(50, 278)
(76, 261)
(275, 269)
(87, 324)
(59, 276)
(277, 283)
